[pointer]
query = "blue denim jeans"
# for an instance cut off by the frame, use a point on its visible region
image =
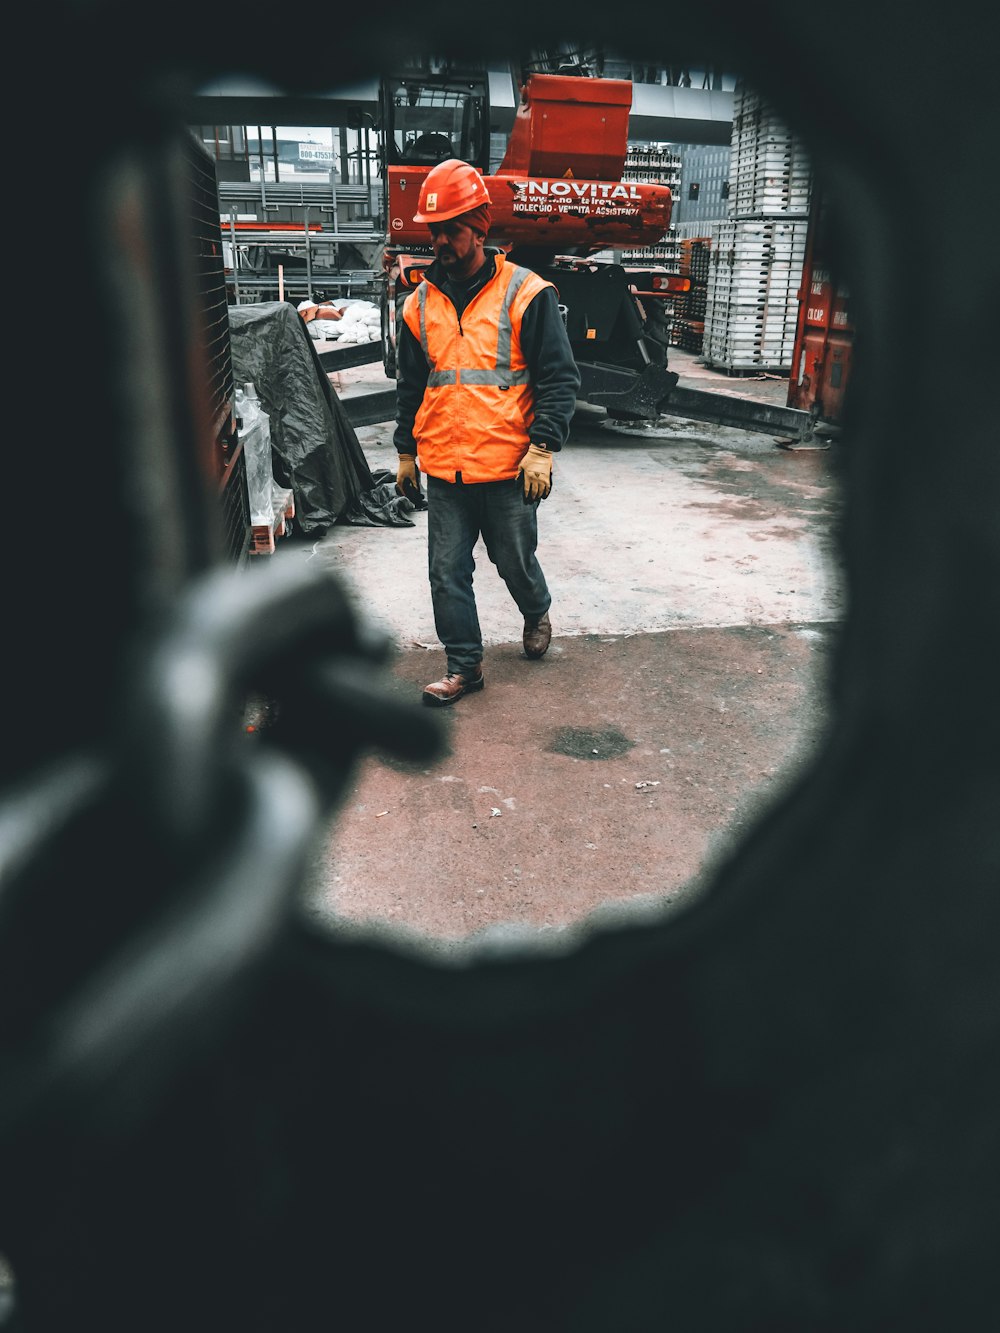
(457, 515)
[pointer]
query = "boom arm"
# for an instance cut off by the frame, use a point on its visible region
(559, 186)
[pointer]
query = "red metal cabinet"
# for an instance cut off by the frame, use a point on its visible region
(824, 336)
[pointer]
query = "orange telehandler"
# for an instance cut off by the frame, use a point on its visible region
(558, 200)
(561, 208)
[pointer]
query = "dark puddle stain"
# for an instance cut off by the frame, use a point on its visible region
(767, 481)
(580, 744)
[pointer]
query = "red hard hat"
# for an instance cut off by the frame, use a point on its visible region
(449, 189)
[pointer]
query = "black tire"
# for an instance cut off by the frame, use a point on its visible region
(658, 323)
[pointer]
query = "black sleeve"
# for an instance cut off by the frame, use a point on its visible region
(412, 371)
(555, 376)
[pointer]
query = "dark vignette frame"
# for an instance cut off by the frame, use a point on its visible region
(774, 1109)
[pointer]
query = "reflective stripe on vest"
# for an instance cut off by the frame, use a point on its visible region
(503, 374)
(435, 377)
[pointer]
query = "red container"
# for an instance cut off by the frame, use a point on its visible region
(824, 335)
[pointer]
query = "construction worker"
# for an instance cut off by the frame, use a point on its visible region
(486, 390)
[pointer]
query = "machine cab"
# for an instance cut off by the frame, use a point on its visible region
(436, 110)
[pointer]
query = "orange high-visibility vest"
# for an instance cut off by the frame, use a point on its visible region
(478, 406)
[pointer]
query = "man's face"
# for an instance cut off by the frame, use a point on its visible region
(458, 248)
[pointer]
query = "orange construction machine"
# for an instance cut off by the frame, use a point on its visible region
(559, 206)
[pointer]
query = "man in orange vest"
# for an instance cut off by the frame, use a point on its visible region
(486, 391)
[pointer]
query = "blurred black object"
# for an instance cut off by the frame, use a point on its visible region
(775, 1109)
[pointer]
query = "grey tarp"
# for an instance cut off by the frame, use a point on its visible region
(315, 451)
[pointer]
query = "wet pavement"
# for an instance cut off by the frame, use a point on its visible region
(695, 603)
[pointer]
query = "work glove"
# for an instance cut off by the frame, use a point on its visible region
(408, 477)
(536, 473)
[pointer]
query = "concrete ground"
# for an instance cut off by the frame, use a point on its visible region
(695, 600)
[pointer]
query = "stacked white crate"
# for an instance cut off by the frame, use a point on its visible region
(757, 254)
(751, 308)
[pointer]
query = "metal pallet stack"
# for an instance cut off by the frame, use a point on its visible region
(650, 165)
(688, 329)
(757, 254)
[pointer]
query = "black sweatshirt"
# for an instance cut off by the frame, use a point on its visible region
(555, 377)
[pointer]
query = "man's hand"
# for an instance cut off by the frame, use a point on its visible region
(407, 476)
(536, 473)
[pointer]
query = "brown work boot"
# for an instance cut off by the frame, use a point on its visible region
(452, 687)
(537, 634)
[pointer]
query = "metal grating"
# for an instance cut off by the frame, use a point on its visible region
(210, 278)
(236, 531)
